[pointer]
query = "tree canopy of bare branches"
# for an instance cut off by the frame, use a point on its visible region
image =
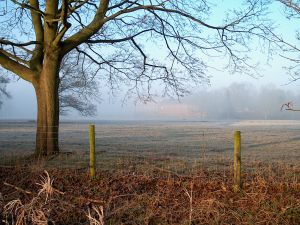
(291, 48)
(78, 88)
(139, 43)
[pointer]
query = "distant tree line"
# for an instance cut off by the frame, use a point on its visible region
(238, 101)
(244, 101)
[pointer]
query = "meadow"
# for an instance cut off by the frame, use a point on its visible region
(193, 142)
(151, 172)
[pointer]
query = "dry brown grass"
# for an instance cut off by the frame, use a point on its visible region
(98, 217)
(271, 195)
(38, 209)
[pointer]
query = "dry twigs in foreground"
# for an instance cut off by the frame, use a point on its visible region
(271, 195)
(39, 208)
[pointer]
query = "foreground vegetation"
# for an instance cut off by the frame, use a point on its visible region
(163, 173)
(271, 195)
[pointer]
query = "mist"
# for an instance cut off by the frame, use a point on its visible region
(235, 102)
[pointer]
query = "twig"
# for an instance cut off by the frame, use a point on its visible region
(190, 196)
(56, 190)
(89, 200)
(18, 189)
(295, 110)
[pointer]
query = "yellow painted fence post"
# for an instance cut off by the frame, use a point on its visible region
(237, 185)
(92, 151)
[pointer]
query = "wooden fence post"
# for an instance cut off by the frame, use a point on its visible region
(237, 162)
(92, 151)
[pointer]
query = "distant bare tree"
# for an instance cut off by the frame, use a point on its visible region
(289, 107)
(3, 91)
(135, 42)
(78, 88)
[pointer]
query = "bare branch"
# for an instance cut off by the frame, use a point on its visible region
(14, 57)
(291, 4)
(6, 42)
(31, 7)
(15, 67)
(289, 107)
(87, 32)
(36, 20)
(112, 41)
(157, 8)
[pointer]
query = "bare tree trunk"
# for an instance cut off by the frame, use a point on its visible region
(46, 88)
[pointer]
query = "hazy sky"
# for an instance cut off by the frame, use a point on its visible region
(22, 105)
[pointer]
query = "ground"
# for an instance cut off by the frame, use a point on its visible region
(272, 196)
(156, 173)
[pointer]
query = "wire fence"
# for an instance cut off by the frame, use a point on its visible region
(180, 147)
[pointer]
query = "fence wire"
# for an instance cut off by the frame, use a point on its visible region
(179, 147)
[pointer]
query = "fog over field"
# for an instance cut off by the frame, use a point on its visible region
(235, 101)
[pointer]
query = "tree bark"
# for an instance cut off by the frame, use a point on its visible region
(46, 89)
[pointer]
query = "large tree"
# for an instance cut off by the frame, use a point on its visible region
(137, 42)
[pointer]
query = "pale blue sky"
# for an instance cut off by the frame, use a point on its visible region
(23, 104)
